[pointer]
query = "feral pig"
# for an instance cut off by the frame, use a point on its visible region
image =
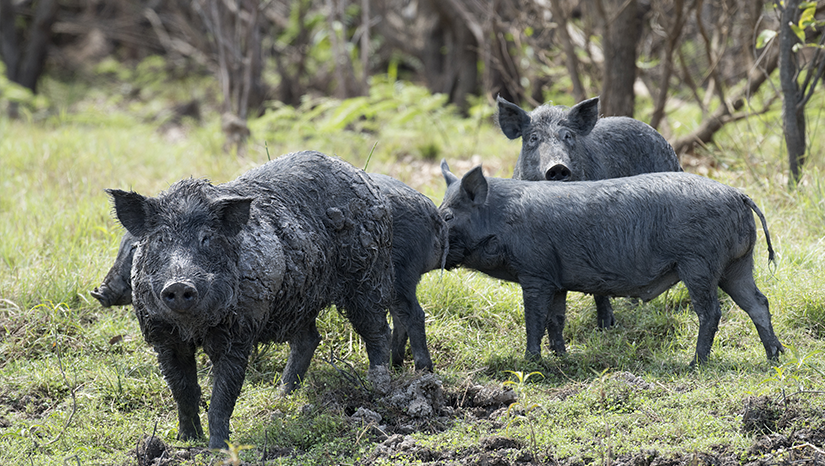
(255, 260)
(116, 289)
(574, 144)
(419, 245)
(561, 144)
(634, 237)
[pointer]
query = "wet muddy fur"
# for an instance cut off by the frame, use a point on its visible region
(255, 260)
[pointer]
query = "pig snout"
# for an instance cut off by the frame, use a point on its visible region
(102, 294)
(179, 296)
(113, 292)
(557, 172)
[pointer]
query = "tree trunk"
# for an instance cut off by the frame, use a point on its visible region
(570, 58)
(37, 47)
(793, 114)
(451, 52)
(673, 34)
(622, 31)
(346, 85)
(25, 68)
(8, 38)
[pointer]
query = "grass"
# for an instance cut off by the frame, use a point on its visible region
(79, 385)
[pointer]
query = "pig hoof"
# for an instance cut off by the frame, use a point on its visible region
(774, 355)
(424, 368)
(606, 323)
(532, 357)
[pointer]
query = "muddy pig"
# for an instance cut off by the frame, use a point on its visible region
(255, 260)
(561, 144)
(634, 236)
(419, 246)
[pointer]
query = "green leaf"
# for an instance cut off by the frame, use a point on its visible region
(800, 33)
(764, 37)
(807, 18)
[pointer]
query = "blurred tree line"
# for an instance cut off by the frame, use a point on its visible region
(674, 51)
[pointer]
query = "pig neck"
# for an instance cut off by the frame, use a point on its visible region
(490, 254)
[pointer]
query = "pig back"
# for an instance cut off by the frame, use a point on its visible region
(628, 232)
(419, 233)
(328, 225)
(623, 146)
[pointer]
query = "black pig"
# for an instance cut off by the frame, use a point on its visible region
(419, 245)
(116, 289)
(561, 144)
(574, 144)
(255, 260)
(635, 237)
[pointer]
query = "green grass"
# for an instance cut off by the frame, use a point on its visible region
(79, 386)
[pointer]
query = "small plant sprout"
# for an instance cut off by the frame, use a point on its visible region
(794, 373)
(234, 453)
(523, 405)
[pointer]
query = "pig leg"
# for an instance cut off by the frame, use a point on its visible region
(372, 327)
(555, 321)
(739, 285)
(376, 339)
(702, 290)
(229, 360)
(301, 348)
(398, 345)
(604, 311)
(179, 368)
(408, 319)
(538, 296)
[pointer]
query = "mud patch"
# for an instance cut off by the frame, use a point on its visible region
(760, 415)
(152, 451)
(413, 403)
(30, 405)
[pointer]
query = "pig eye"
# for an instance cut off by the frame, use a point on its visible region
(448, 215)
(205, 240)
(534, 138)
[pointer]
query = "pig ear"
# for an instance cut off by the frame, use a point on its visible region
(583, 116)
(475, 185)
(448, 175)
(511, 118)
(233, 213)
(131, 210)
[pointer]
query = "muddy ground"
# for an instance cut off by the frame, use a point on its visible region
(392, 410)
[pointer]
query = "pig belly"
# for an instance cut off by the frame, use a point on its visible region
(654, 288)
(645, 291)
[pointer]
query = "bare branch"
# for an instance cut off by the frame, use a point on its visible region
(675, 30)
(688, 80)
(710, 125)
(813, 78)
(72, 390)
